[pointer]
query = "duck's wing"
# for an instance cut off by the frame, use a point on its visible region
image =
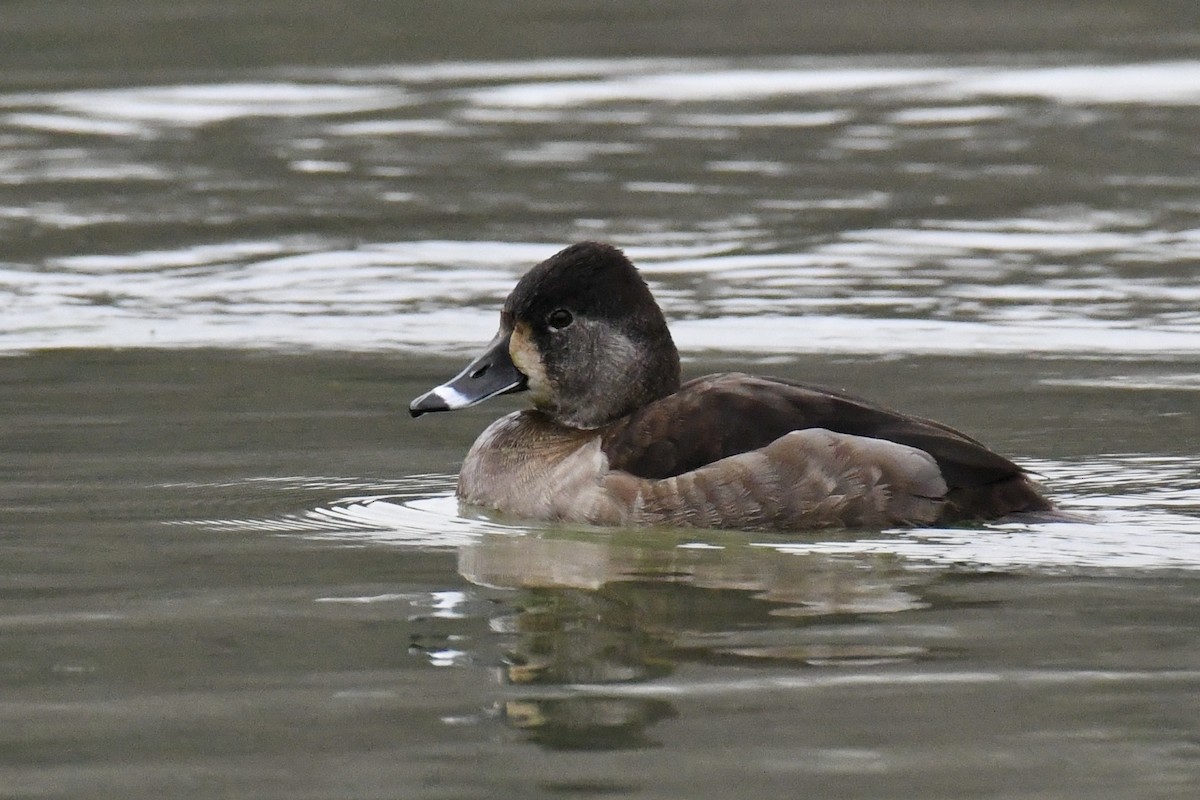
(718, 416)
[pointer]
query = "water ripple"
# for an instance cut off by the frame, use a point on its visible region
(1139, 512)
(834, 203)
(868, 292)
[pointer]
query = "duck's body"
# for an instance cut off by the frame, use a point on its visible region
(614, 439)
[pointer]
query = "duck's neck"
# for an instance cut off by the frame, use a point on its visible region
(621, 381)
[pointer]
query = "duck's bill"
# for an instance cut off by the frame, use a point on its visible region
(492, 374)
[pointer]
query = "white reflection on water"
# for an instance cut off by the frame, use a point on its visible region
(208, 103)
(732, 84)
(1151, 83)
(895, 678)
(721, 234)
(1114, 541)
(1166, 82)
(868, 291)
(1140, 512)
(1154, 83)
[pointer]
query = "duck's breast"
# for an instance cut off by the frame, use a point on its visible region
(527, 466)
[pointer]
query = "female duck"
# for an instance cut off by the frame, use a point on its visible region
(614, 439)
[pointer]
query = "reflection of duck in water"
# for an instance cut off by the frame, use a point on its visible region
(614, 439)
(597, 614)
(569, 637)
(598, 608)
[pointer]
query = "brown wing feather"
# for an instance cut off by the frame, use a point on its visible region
(722, 415)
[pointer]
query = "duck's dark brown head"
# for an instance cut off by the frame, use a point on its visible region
(582, 333)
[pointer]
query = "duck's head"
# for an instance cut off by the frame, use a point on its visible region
(582, 333)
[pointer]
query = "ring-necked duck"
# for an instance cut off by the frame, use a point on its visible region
(614, 439)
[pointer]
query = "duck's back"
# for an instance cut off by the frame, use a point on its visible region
(698, 431)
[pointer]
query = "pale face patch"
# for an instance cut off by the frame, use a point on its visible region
(528, 360)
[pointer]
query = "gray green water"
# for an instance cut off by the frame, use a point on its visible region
(237, 239)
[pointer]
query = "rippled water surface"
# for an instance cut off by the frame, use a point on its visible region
(235, 568)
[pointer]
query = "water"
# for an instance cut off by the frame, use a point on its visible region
(235, 568)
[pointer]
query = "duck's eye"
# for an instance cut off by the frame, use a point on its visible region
(559, 319)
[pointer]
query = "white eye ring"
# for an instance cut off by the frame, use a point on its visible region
(558, 319)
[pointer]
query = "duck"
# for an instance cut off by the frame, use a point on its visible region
(613, 436)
